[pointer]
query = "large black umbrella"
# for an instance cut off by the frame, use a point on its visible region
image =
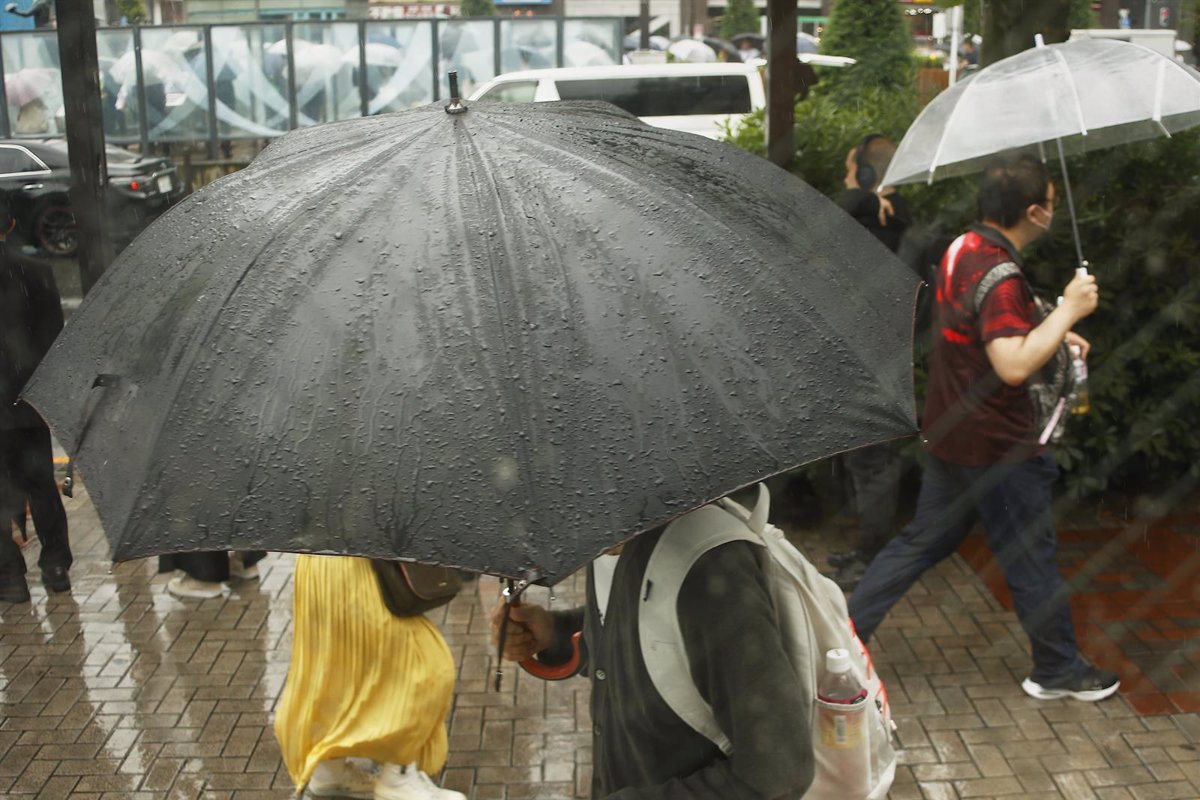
(505, 339)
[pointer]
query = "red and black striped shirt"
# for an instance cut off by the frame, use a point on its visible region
(971, 416)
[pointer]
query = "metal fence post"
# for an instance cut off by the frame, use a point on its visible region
(293, 110)
(5, 124)
(140, 75)
(435, 59)
(560, 45)
(495, 46)
(210, 75)
(363, 89)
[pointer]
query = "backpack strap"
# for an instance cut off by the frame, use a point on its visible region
(990, 280)
(682, 544)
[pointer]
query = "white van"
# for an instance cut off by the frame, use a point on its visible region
(695, 98)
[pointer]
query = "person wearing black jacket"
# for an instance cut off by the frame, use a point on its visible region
(30, 319)
(875, 470)
(642, 750)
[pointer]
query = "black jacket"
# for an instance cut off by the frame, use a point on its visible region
(864, 207)
(30, 319)
(641, 749)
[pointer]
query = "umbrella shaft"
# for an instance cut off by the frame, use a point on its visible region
(1062, 160)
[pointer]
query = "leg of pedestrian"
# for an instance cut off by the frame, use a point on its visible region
(1015, 505)
(13, 588)
(49, 517)
(945, 514)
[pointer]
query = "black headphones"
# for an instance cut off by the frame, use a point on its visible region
(865, 173)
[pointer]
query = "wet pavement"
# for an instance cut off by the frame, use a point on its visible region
(118, 690)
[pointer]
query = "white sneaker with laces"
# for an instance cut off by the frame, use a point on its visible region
(409, 783)
(192, 589)
(239, 570)
(340, 778)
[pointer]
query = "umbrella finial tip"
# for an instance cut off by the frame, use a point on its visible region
(455, 105)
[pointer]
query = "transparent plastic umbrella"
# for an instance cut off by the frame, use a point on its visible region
(692, 51)
(1078, 96)
(26, 85)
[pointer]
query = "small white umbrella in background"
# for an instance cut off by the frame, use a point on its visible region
(157, 67)
(378, 55)
(586, 54)
(692, 51)
(1082, 96)
(29, 84)
(315, 61)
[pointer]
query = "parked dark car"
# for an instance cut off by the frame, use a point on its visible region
(36, 177)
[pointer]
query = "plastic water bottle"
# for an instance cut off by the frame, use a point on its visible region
(843, 737)
(1081, 402)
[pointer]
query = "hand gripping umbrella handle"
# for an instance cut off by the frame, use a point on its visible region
(555, 672)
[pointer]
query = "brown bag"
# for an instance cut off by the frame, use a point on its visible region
(410, 590)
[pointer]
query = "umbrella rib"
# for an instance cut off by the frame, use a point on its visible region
(933, 164)
(1083, 129)
(1158, 98)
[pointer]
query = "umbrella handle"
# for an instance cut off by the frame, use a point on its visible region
(555, 672)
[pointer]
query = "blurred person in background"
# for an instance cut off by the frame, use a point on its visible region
(30, 319)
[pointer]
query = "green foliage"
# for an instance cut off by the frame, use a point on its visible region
(741, 16)
(876, 34)
(1138, 206)
(134, 11)
(477, 8)
(1082, 15)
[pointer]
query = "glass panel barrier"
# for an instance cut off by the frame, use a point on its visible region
(175, 75)
(528, 44)
(469, 47)
(399, 65)
(591, 42)
(251, 81)
(327, 59)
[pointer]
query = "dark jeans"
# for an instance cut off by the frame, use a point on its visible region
(27, 473)
(875, 476)
(211, 566)
(1013, 502)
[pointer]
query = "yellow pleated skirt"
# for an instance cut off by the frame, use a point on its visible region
(362, 682)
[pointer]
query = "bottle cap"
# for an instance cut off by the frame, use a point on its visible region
(837, 660)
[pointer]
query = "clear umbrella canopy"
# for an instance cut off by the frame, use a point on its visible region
(1089, 94)
(692, 51)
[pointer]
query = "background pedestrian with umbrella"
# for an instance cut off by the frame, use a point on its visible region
(1076, 96)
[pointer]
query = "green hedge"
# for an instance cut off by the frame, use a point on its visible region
(1139, 209)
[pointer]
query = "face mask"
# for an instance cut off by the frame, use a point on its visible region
(1049, 219)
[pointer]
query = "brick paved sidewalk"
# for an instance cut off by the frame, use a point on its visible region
(121, 691)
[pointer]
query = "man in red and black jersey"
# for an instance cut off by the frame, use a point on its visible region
(985, 462)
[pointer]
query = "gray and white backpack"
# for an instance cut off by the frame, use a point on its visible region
(812, 616)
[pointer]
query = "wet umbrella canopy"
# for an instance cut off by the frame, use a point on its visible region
(505, 339)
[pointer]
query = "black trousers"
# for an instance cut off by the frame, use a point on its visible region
(27, 474)
(212, 566)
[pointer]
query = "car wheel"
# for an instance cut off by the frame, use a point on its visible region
(54, 229)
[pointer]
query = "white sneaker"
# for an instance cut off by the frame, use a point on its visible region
(409, 783)
(340, 778)
(185, 586)
(239, 570)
